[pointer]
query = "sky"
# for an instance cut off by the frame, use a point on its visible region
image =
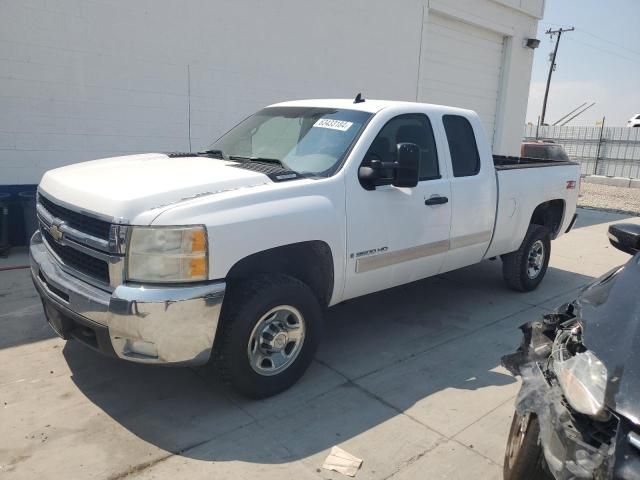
(598, 62)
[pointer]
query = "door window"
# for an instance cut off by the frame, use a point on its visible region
(409, 128)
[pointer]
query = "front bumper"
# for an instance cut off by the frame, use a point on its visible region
(139, 323)
(575, 446)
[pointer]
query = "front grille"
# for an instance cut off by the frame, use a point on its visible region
(94, 267)
(79, 221)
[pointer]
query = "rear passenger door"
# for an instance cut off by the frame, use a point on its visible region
(473, 191)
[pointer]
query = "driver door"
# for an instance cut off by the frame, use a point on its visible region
(398, 235)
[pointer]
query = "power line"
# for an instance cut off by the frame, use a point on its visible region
(619, 45)
(598, 37)
(552, 67)
(609, 52)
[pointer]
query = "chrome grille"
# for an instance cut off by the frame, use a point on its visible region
(79, 221)
(87, 247)
(92, 266)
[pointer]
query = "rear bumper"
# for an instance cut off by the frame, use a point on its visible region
(139, 323)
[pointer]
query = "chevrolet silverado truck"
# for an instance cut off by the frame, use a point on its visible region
(233, 254)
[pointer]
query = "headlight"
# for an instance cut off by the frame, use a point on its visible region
(167, 254)
(583, 379)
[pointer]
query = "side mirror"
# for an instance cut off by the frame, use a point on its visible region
(406, 165)
(625, 237)
(370, 174)
(404, 169)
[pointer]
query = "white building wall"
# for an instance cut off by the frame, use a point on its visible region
(84, 79)
(516, 20)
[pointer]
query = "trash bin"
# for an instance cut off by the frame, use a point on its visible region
(4, 222)
(28, 200)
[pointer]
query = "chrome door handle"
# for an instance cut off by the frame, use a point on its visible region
(437, 200)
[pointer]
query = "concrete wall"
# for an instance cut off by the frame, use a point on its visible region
(84, 79)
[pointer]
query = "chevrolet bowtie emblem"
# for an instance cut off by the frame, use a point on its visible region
(56, 233)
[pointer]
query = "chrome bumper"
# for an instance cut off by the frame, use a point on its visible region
(146, 324)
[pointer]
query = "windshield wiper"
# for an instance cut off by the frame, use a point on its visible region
(213, 153)
(275, 161)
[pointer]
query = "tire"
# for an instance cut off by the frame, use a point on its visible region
(524, 458)
(275, 306)
(517, 266)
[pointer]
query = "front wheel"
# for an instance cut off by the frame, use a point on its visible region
(524, 458)
(269, 333)
(524, 269)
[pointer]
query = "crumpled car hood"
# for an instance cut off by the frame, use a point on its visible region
(610, 312)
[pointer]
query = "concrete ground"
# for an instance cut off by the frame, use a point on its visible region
(409, 380)
(17, 257)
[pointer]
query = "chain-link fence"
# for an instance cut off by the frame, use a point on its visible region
(610, 151)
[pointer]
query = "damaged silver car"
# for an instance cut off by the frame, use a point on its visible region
(578, 411)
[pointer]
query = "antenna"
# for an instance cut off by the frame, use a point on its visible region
(359, 98)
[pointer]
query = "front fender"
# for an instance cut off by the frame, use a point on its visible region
(240, 223)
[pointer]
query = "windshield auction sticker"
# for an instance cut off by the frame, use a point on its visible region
(333, 124)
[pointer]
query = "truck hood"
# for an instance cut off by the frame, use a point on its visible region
(610, 313)
(121, 188)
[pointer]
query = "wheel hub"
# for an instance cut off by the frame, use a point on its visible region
(535, 260)
(276, 340)
(517, 438)
(279, 341)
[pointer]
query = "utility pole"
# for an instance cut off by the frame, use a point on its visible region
(552, 67)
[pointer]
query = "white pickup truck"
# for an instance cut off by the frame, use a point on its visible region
(234, 253)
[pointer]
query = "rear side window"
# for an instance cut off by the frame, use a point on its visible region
(462, 146)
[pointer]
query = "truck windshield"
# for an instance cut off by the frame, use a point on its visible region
(545, 151)
(307, 140)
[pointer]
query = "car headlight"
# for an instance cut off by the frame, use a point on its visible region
(167, 254)
(583, 379)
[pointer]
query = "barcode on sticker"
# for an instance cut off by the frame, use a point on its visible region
(333, 124)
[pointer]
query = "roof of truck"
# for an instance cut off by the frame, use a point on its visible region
(371, 106)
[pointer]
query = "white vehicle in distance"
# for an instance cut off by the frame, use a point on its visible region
(234, 253)
(634, 121)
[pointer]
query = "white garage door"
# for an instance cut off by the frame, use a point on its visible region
(461, 66)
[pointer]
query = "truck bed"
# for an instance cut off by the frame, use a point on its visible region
(523, 185)
(503, 162)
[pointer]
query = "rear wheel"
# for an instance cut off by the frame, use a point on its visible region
(269, 333)
(524, 269)
(524, 458)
